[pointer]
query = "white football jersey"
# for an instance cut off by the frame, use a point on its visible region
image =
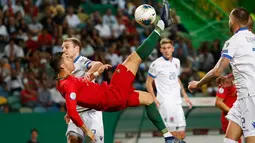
(240, 49)
(166, 74)
(81, 64)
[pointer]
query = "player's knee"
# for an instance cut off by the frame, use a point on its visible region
(227, 140)
(181, 135)
(145, 98)
(74, 139)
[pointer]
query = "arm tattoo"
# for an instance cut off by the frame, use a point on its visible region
(215, 72)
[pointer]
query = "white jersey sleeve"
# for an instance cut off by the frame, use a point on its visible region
(229, 49)
(84, 63)
(153, 70)
(178, 66)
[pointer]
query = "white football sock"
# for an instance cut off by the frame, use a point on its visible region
(227, 140)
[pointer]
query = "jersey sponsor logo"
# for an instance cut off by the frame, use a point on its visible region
(221, 90)
(73, 96)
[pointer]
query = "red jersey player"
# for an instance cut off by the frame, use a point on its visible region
(225, 98)
(117, 95)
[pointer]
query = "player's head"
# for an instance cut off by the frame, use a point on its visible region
(34, 133)
(250, 23)
(71, 47)
(60, 62)
(238, 18)
(166, 48)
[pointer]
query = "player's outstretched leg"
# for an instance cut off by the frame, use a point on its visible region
(153, 114)
(145, 49)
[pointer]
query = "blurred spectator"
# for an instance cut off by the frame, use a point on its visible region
(112, 57)
(104, 29)
(30, 8)
(45, 40)
(34, 135)
(35, 27)
(12, 28)
(118, 29)
(87, 50)
(12, 51)
(57, 98)
(205, 57)
(29, 94)
(3, 32)
(14, 82)
(31, 44)
(71, 18)
(109, 19)
(216, 50)
(57, 47)
(44, 96)
(122, 18)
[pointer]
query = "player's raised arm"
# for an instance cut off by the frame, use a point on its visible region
(71, 103)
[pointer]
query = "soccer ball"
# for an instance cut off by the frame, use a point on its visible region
(145, 15)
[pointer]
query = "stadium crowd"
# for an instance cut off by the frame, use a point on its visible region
(31, 32)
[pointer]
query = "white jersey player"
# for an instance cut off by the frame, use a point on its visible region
(165, 72)
(239, 51)
(92, 118)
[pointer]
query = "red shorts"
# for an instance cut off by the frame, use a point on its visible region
(224, 123)
(121, 88)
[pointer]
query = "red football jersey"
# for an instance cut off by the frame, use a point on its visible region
(79, 91)
(229, 95)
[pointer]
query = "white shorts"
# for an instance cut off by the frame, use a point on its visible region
(173, 116)
(243, 113)
(93, 120)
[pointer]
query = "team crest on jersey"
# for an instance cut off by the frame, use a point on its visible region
(171, 119)
(221, 90)
(176, 66)
(73, 96)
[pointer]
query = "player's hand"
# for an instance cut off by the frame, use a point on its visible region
(188, 101)
(91, 136)
(67, 119)
(192, 86)
(103, 68)
(157, 103)
(88, 76)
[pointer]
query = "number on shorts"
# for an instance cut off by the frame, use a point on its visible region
(243, 122)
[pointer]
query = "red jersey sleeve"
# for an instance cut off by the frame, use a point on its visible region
(221, 92)
(70, 96)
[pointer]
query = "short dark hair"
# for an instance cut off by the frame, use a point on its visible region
(55, 61)
(33, 130)
(75, 42)
(241, 15)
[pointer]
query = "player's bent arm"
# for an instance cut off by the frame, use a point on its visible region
(221, 105)
(149, 86)
(215, 72)
(94, 66)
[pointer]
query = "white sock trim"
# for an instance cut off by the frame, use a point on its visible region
(227, 140)
(168, 134)
(157, 32)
